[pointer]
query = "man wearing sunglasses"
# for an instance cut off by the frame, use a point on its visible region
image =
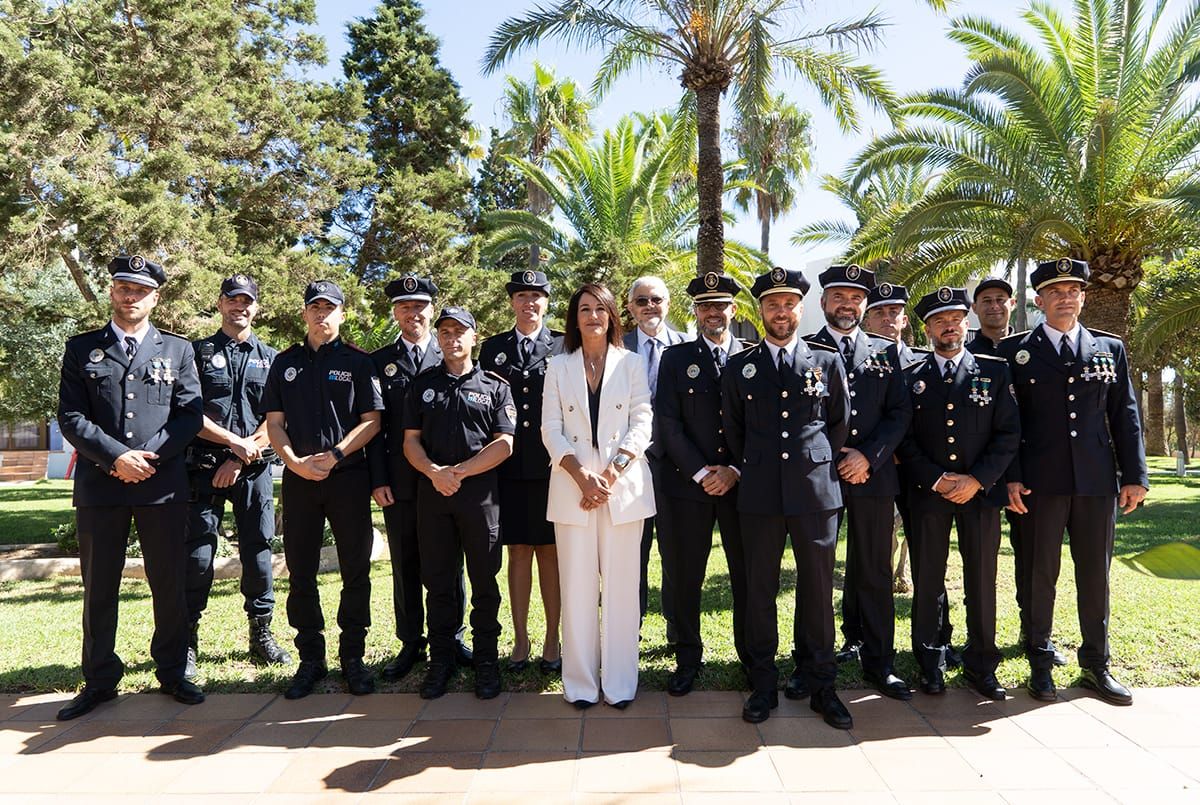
(648, 304)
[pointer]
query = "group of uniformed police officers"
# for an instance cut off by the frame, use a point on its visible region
(773, 441)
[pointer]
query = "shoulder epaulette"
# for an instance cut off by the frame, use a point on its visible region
(355, 348)
(990, 358)
(495, 376)
(555, 333)
(746, 344)
(821, 346)
(1104, 333)
(1014, 335)
(877, 335)
(170, 334)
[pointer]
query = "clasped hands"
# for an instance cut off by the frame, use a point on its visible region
(853, 467)
(596, 487)
(245, 451)
(133, 466)
(956, 487)
(315, 467)
(719, 480)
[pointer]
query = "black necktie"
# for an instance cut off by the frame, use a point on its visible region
(785, 362)
(1068, 354)
(526, 350)
(130, 347)
(719, 358)
(948, 372)
(847, 351)
(416, 356)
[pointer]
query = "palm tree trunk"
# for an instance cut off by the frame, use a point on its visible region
(533, 195)
(1020, 313)
(1114, 276)
(1155, 444)
(1181, 441)
(764, 238)
(1139, 389)
(710, 181)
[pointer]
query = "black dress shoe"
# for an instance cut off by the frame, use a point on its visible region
(888, 684)
(550, 667)
(437, 677)
(582, 704)
(1107, 688)
(184, 691)
(953, 657)
(933, 683)
(85, 702)
(487, 680)
(359, 679)
(1060, 659)
(464, 656)
(681, 681)
(986, 684)
(848, 653)
(827, 703)
(308, 674)
(1041, 685)
(759, 706)
(409, 656)
(621, 705)
(796, 687)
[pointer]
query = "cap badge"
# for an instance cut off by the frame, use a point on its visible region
(945, 294)
(778, 276)
(749, 371)
(322, 287)
(96, 355)
(410, 284)
(918, 387)
(219, 361)
(1022, 357)
(137, 262)
(1064, 266)
(290, 374)
(501, 358)
(428, 395)
(693, 371)
(390, 370)
(241, 279)
(853, 272)
(528, 278)
(712, 280)
(885, 290)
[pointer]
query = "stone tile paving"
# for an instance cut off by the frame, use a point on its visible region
(532, 748)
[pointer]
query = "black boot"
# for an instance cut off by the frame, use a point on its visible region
(193, 651)
(263, 648)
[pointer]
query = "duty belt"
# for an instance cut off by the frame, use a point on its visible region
(209, 458)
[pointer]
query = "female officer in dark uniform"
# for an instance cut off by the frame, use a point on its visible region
(520, 356)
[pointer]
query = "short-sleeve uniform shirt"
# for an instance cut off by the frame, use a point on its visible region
(458, 415)
(233, 378)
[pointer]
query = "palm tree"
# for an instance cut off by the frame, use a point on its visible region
(1084, 146)
(620, 210)
(537, 111)
(775, 154)
(717, 45)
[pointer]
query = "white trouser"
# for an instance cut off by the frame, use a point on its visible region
(599, 562)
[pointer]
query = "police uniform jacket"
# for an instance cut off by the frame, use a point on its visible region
(394, 365)
(323, 395)
(458, 415)
(656, 450)
(233, 377)
(980, 344)
(880, 410)
(500, 354)
(108, 405)
(784, 433)
(970, 425)
(1079, 424)
(687, 419)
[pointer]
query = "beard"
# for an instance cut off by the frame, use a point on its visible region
(951, 342)
(781, 331)
(842, 322)
(714, 333)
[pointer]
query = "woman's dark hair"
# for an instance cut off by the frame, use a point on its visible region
(573, 340)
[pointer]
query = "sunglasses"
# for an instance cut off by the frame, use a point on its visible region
(642, 301)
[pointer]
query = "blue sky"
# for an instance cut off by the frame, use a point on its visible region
(914, 55)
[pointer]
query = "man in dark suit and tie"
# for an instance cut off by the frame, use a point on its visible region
(786, 412)
(129, 401)
(1082, 457)
(394, 481)
(879, 415)
(648, 304)
(965, 432)
(696, 475)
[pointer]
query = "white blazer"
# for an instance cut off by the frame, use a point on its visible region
(625, 420)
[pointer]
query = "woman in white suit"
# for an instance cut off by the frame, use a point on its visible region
(596, 426)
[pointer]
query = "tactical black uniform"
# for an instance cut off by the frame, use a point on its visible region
(233, 376)
(115, 397)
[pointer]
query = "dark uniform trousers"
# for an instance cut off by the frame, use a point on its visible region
(946, 630)
(344, 498)
(465, 523)
(658, 524)
(978, 527)
(868, 607)
(408, 603)
(814, 543)
(103, 533)
(253, 501)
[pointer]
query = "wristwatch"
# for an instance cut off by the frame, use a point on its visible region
(337, 453)
(620, 462)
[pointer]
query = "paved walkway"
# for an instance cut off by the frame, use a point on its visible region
(530, 748)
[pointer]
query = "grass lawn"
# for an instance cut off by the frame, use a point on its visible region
(29, 512)
(1155, 631)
